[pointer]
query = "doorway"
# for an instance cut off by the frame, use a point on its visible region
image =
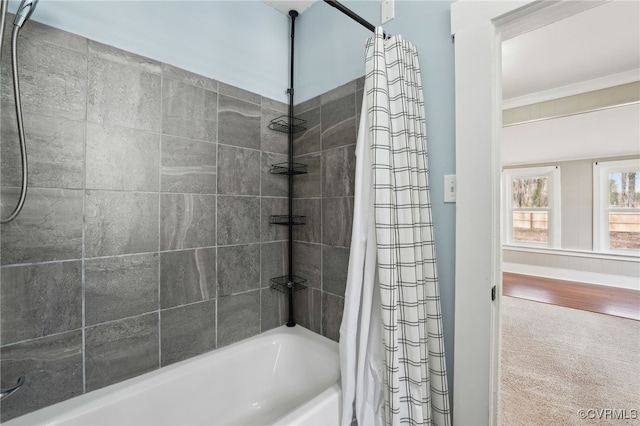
(479, 28)
(567, 87)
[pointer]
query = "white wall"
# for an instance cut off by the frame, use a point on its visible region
(242, 43)
(607, 133)
(575, 259)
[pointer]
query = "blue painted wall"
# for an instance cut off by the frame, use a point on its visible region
(330, 52)
(242, 43)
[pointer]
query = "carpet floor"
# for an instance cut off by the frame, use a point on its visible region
(557, 361)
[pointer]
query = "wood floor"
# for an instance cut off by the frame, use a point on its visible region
(619, 302)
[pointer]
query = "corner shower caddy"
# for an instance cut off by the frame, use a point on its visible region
(288, 284)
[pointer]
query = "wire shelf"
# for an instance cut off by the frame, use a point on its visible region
(283, 219)
(284, 123)
(284, 169)
(284, 284)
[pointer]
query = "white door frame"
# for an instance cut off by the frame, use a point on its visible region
(479, 28)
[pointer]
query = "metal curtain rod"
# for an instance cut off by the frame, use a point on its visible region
(351, 14)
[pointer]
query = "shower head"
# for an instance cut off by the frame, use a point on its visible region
(24, 12)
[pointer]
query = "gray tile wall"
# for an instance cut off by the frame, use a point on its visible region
(325, 195)
(145, 238)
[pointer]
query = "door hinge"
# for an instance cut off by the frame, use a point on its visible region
(493, 293)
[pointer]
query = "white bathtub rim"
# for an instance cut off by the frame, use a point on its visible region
(324, 409)
(67, 410)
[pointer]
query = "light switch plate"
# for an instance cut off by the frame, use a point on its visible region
(387, 11)
(449, 188)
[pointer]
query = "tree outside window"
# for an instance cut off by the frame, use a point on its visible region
(532, 211)
(616, 207)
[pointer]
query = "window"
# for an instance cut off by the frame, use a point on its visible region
(616, 206)
(532, 206)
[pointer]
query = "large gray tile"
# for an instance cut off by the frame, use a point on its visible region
(272, 140)
(307, 105)
(123, 94)
(239, 123)
(339, 122)
(187, 221)
(308, 185)
(53, 80)
(238, 171)
(338, 171)
(187, 276)
(120, 223)
(308, 140)
(307, 259)
(272, 309)
(276, 106)
(236, 92)
(52, 367)
(307, 309)
(40, 300)
(274, 185)
(238, 220)
(360, 83)
(312, 230)
(335, 265)
(188, 77)
(123, 57)
(122, 159)
(120, 287)
(337, 220)
(274, 262)
(188, 111)
(238, 317)
(48, 228)
(55, 149)
(47, 34)
(338, 93)
(332, 308)
(187, 331)
(238, 269)
(188, 165)
(269, 231)
(120, 350)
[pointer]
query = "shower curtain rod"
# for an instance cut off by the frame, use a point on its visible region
(351, 14)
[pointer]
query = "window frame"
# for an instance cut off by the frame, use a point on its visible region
(552, 173)
(601, 171)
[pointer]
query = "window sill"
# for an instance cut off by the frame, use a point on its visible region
(574, 253)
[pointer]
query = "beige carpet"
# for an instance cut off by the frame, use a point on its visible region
(556, 361)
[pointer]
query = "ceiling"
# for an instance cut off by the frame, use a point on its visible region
(592, 50)
(285, 6)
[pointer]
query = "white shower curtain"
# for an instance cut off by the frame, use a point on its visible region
(391, 345)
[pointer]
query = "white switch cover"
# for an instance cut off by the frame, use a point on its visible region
(449, 188)
(387, 11)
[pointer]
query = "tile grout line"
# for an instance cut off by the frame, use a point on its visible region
(217, 277)
(83, 281)
(321, 226)
(159, 275)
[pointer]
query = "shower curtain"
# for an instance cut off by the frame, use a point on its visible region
(391, 345)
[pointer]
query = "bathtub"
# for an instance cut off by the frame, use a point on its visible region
(286, 376)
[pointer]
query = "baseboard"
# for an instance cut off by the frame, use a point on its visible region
(619, 281)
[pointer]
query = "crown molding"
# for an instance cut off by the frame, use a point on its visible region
(573, 89)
